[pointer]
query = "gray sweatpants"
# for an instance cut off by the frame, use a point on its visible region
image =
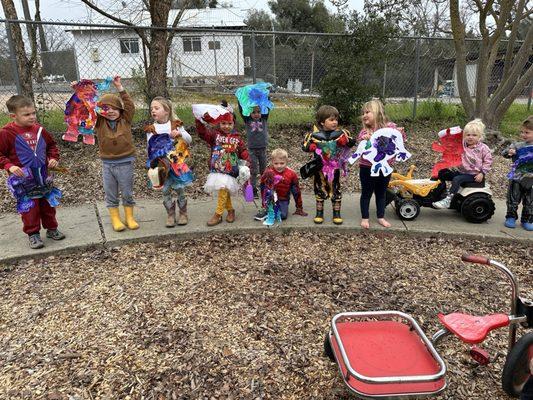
(258, 163)
(118, 178)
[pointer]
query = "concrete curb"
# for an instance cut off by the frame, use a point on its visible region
(87, 227)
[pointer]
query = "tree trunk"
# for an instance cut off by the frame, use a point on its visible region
(23, 64)
(156, 75)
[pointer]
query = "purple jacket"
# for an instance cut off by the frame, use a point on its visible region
(476, 159)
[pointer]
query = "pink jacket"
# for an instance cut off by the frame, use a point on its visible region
(363, 132)
(476, 159)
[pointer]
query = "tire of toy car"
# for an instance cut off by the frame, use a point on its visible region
(516, 369)
(407, 209)
(477, 208)
(328, 350)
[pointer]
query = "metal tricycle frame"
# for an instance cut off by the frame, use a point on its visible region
(516, 370)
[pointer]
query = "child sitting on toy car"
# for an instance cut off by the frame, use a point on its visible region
(476, 162)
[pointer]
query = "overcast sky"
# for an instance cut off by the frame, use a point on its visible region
(74, 10)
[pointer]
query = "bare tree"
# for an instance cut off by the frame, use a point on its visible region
(156, 41)
(496, 17)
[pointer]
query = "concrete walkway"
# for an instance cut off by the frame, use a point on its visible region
(88, 226)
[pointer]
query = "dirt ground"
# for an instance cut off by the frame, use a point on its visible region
(236, 317)
(83, 183)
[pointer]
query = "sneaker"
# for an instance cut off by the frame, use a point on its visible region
(444, 203)
(35, 241)
(261, 215)
(528, 226)
(54, 234)
(510, 223)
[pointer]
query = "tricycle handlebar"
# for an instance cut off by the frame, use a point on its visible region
(475, 259)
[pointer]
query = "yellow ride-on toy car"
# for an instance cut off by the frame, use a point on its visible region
(473, 200)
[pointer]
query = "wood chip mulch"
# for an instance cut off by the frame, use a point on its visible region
(236, 316)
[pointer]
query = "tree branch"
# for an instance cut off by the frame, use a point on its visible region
(512, 38)
(174, 25)
(140, 32)
(508, 100)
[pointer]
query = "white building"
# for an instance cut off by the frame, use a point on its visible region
(103, 52)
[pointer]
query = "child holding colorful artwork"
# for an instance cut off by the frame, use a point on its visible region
(330, 146)
(373, 118)
(215, 125)
(170, 148)
(521, 178)
(476, 162)
(286, 184)
(254, 107)
(28, 152)
(117, 152)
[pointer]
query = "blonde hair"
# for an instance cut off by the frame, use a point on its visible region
(528, 123)
(376, 108)
(167, 105)
(279, 153)
(475, 126)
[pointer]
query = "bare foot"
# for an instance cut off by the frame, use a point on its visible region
(365, 224)
(384, 222)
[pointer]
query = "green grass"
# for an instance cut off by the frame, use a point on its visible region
(291, 113)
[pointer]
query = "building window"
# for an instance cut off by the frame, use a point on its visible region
(214, 45)
(192, 44)
(129, 46)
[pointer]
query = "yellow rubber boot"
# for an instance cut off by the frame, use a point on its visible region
(118, 226)
(130, 221)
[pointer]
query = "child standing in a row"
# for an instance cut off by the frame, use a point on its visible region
(521, 178)
(373, 118)
(165, 122)
(227, 148)
(117, 151)
(328, 143)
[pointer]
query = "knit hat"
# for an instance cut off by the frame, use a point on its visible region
(110, 99)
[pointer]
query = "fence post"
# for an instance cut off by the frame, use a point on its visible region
(13, 59)
(384, 81)
(253, 58)
(312, 69)
(215, 55)
(417, 72)
(273, 54)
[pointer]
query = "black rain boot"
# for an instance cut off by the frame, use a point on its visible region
(319, 218)
(337, 219)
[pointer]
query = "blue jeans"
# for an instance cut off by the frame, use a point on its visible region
(118, 178)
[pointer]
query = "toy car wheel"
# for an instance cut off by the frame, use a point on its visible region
(516, 370)
(407, 209)
(328, 350)
(477, 208)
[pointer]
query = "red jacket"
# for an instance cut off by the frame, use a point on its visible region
(287, 185)
(8, 154)
(231, 143)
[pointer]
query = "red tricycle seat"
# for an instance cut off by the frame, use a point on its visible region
(470, 328)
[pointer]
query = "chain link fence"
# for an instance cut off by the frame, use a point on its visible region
(218, 61)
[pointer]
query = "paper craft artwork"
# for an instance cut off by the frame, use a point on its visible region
(256, 95)
(383, 146)
(333, 157)
(270, 198)
(523, 164)
(209, 113)
(81, 110)
(35, 184)
(167, 163)
(450, 144)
